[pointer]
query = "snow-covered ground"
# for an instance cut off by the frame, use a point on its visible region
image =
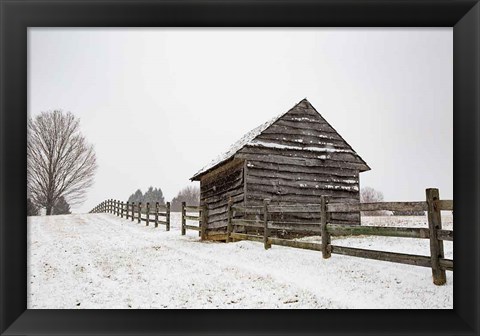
(103, 261)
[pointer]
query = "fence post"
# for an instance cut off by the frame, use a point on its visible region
(148, 213)
(110, 205)
(139, 212)
(127, 206)
(122, 209)
(265, 224)
(167, 216)
(203, 227)
(156, 214)
(115, 207)
(117, 203)
(133, 211)
(183, 219)
(229, 219)
(326, 247)
(436, 246)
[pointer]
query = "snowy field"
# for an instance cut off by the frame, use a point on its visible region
(103, 261)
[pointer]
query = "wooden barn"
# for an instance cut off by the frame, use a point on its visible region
(292, 159)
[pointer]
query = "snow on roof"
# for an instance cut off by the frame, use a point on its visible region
(243, 141)
(248, 140)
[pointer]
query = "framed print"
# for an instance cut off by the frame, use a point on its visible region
(238, 181)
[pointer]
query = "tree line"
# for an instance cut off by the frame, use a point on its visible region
(189, 195)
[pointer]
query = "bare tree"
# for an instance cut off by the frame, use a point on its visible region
(61, 207)
(190, 195)
(370, 195)
(59, 160)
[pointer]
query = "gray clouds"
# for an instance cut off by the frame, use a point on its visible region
(158, 104)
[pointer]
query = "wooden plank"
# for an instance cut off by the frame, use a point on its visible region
(243, 236)
(345, 216)
(266, 231)
(446, 264)
(356, 230)
(401, 258)
(191, 227)
(392, 206)
(295, 244)
(184, 221)
(281, 129)
(230, 165)
(256, 175)
(294, 227)
(221, 198)
(436, 245)
(273, 167)
(445, 235)
(167, 217)
(229, 219)
(217, 225)
(303, 153)
(281, 159)
(444, 204)
(217, 237)
(223, 183)
(293, 140)
(295, 208)
(286, 191)
(326, 240)
(248, 223)
(204, 222)
(194, 218)
(193, 208)
(221, 203)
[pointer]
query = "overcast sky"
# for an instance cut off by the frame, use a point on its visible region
(159, 104)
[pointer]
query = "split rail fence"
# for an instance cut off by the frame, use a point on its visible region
(200, 216)
(149, 213)
(433, 205)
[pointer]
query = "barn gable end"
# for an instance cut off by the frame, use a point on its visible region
(294, 158)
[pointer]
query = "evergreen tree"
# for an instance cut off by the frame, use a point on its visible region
(32, 210)
(136, 197)
(61, 207)
(154, 195)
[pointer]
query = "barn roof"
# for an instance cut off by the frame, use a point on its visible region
(249, 140)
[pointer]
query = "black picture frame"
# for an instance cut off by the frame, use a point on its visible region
(16, 16)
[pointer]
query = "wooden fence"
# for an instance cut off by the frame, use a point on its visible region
(433, 205)
(200, 216)
(148, 213)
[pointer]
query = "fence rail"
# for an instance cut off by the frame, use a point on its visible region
(157, 214)
(436, 235)
(200, 217)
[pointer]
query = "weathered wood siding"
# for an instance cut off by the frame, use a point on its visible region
(216, 188)
(293, 159)
(298, 159)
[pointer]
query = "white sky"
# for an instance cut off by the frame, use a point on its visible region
(159, 104)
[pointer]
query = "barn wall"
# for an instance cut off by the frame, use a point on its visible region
(216, 188)
(286, 166)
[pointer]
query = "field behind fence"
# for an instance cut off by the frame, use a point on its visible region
(263, 222)
(149, 213)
